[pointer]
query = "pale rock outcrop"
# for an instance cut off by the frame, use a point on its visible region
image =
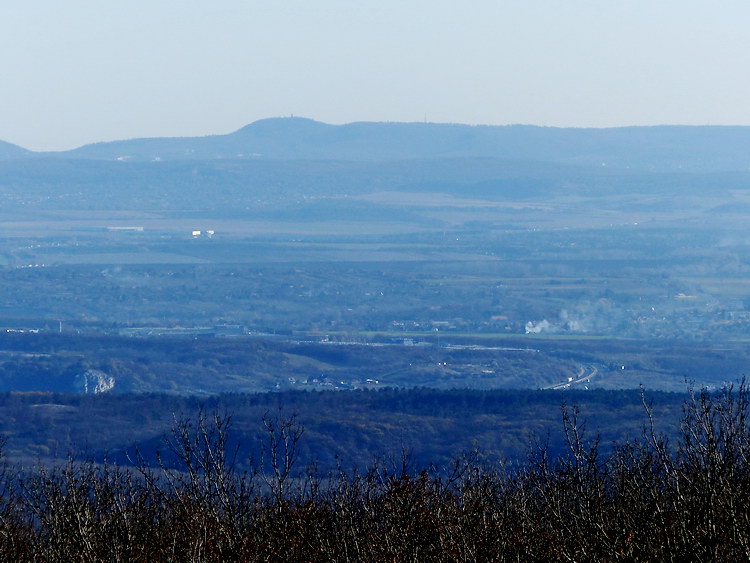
(93, 381)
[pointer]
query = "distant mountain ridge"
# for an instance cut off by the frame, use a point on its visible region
(670, 147)
(10, 151)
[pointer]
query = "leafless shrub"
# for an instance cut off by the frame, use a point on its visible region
(644, 501)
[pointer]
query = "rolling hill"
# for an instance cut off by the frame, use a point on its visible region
(688, 148)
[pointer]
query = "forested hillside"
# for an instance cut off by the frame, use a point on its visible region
(354, 428)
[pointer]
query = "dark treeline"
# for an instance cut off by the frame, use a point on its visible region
(354, 426)
(646, 499)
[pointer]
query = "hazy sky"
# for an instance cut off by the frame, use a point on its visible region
(75, 71)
